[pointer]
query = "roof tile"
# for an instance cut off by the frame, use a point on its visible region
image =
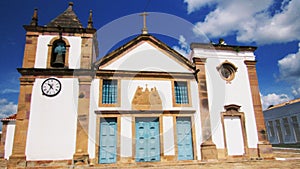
(10, 118)
(68, 19)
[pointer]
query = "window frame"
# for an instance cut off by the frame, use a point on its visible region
(189, 104)
(118, 100)
(230, 67)
(286, 125)
(271, 128)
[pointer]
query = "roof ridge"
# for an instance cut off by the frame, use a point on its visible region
(284, 103)
(106, 58)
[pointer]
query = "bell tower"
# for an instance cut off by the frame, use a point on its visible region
(57, 66)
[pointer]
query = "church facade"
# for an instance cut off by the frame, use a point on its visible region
(144, 102)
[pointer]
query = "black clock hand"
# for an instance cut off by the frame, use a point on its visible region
(51, 86)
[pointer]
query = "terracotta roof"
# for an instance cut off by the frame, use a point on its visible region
(10, 118)
(68, 19)
(284, 104)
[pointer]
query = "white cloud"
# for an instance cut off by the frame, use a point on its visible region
(296, 91)
(194, 5)
(8, 91)
(183, 47)
(289, 66)
(7, 108)
(251, 21)
(289, 70)
(273, 99)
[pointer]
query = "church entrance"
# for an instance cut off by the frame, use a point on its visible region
(147, 139)
(234, 135)
(184, 138)
(108, 140)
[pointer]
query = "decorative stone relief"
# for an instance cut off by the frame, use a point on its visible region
(146, 100)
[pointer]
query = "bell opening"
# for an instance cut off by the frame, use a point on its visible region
(58, 54)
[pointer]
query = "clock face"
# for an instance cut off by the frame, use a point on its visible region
(51, 87)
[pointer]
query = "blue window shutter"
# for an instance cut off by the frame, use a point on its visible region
(109, 91)
(181, 92)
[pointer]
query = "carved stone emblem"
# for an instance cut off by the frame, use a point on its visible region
(146, 100)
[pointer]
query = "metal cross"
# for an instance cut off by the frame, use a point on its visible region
(144, 30)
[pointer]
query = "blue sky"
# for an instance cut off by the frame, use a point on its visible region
(271, 25)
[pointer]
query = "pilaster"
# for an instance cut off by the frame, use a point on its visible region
(18, 157)
(3, 138)
(86, 51)
(81, 156)
(264, 147)
(208, 148)
(30, 49)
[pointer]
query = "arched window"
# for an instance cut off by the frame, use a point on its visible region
(58, 53)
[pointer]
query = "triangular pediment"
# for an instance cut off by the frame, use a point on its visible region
(145, 53)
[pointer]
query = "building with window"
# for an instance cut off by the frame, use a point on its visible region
(143, 102)
(282, 122)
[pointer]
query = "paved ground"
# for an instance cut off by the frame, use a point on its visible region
(285, 159)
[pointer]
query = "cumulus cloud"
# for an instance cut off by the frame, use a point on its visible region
(250, 21)
(193, 5)
(7, 108)
(273, 99)
(289, 70)
(183, 47)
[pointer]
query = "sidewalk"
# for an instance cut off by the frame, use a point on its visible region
(285, 158)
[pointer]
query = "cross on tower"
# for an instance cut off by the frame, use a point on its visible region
(145, 29)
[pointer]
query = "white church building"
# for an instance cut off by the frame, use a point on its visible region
(142, 103)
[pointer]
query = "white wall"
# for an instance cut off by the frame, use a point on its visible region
(42, 51)
(53, 120)
(221, 93)
(9, 140)
(197, 119)
(128, 88)
(168, 136)
(126, 136)
(94, 97)
(146, 57)
(164, 88)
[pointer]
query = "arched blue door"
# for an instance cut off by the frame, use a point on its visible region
(147, 139)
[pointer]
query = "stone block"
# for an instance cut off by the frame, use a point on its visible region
(265, 151)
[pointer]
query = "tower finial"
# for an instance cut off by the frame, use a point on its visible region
(90, 21)
(70, 5)
(34, 19)
(145, 29)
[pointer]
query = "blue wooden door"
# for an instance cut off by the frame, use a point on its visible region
(108, 140)
(147, 139)
(184, 138)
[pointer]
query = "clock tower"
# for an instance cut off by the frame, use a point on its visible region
(54, 89)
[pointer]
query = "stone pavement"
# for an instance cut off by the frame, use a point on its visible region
(284, 159)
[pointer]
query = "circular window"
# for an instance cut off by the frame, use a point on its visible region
(227, 71)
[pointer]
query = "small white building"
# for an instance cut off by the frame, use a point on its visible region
(7, 137)
(282, 122)
(143, 102)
